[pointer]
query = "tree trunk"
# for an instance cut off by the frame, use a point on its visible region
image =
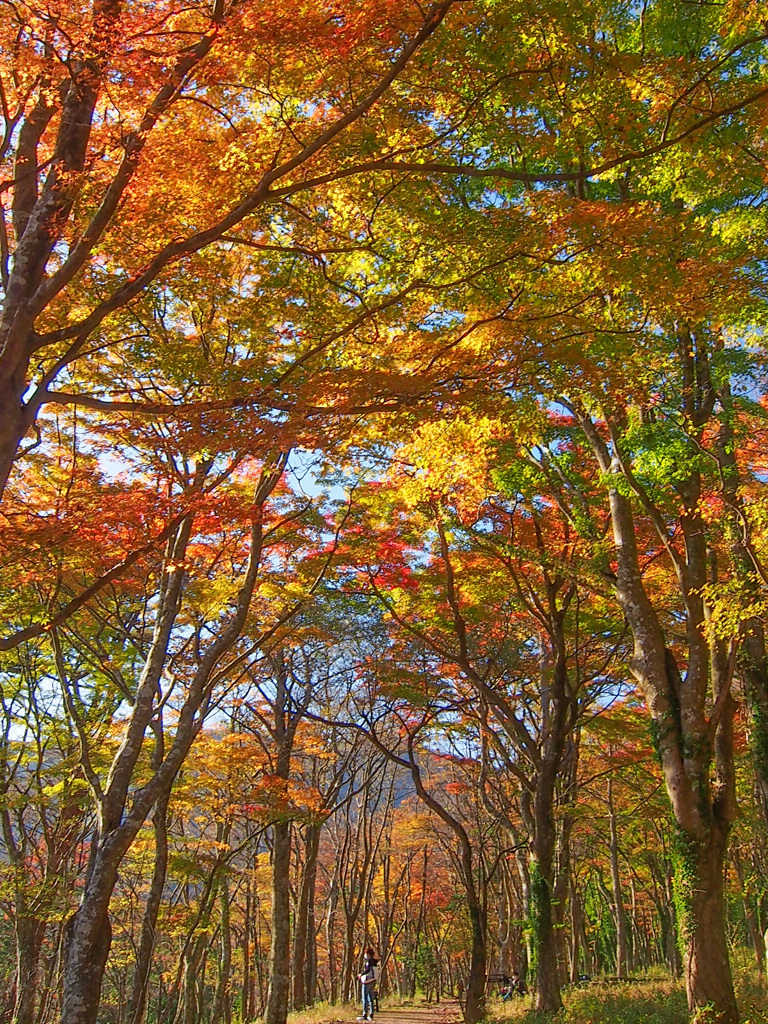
(87, 939)
(548, 998)
(753, 668)
(305, 927)
(695, 744)
(29, 940)
(474, 1008)
(330, 933)
(700, 898)
(245, 1000)
(14, 422)
(622, 966)
(310, 967)
(222, 1007)
(576, 925)
(754, 931)
(562, 883)
(348, 987)
(542, 931)
(187, 1011)
(137, 1003)
(276, 1011)
(525, 959)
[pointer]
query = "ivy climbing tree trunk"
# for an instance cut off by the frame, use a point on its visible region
(544, 945)
(752, 576)
(137, 1002)
(548, 600)
(692, 712)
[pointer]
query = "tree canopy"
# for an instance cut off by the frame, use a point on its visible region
(382, 456)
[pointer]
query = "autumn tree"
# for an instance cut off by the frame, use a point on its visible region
(178, 621)
(44, 821)
(480, 576)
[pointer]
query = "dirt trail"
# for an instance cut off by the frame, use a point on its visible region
(448, 1012)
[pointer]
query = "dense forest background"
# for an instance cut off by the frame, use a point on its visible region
(384, 514)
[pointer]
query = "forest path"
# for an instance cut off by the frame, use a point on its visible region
(447, 1012)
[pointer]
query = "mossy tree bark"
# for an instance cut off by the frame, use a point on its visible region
(752, 576)
(540, 755)
(558, 718)
(692, 712)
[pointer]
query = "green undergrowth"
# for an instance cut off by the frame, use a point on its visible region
(655, 1001)
(652, 1002)
(751, 997)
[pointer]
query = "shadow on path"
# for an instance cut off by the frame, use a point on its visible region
(447, 1012)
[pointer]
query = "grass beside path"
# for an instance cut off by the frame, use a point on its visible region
(325, 1013)
(393, 1011)
(656, 1001)
(653, 1002)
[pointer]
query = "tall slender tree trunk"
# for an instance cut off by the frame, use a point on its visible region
(305, 922)
(556, 717)
(749, 915)
(474, 1008)
(29, 933)
(561, 891)
(622, 965)
(576, 926)
(542, 919)
(330, 934)
(347, 985)
(189, 1005)
(137, 1002)
(245, 998)
(310, 966)
(420, 922)
(523, 870)
(283, 730)
(276, 1011)
(48, 986)
(222, 1007)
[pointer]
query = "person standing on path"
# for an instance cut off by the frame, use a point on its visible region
(368, 981)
